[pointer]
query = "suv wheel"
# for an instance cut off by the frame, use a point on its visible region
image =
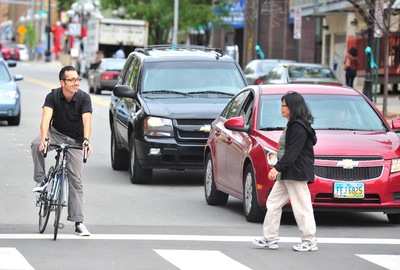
(137, 174)
(252, 211)
(119, 158)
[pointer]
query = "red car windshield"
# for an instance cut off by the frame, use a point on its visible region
(331, 112)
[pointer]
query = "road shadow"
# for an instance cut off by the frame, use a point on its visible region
(178, 178)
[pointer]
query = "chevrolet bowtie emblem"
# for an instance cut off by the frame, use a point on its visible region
(205, 128)
(347, 163)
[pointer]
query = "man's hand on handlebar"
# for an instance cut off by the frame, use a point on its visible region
(44, 142)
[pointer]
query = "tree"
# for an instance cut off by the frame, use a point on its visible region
(193, 14)
(365, 12)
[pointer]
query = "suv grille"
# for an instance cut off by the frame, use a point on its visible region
(190, 130)
(354, 174)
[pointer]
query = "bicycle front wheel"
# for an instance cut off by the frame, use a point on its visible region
(58, 206)
(44, 211)
(45, 203)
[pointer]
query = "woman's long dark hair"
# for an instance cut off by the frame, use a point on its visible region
(298, 107)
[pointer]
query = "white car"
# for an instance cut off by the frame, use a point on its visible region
(23, 52)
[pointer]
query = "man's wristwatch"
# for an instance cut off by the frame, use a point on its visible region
(86, 139)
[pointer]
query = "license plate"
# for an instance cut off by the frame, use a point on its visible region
(348, 190)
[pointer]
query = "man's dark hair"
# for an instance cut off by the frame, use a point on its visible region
(61, 75)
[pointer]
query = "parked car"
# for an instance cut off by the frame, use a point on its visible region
(10, 96)
(23, 52)
(357, 156)
(105, 75)
(301, 73)
(9, 50)
(164, 103)
(258, 68)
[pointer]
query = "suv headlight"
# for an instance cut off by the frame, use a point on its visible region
(158, 127)
(395, 165)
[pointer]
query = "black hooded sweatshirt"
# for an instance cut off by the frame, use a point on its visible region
(297, 162)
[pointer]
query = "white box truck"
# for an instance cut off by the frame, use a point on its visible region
(107, 35)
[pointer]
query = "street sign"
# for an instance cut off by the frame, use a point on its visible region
(378, 19)
(21, 30)
(297, 24)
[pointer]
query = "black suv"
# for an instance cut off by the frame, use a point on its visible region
(163, 105)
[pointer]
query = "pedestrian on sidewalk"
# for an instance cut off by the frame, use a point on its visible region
(351, 66)
(292, 174)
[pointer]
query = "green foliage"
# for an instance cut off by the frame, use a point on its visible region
(193, 14)
(160, 15)
(30, 36)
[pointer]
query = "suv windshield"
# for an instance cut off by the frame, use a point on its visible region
(331, 112)
(192, 77)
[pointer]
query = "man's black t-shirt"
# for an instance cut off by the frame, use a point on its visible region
(67, 116)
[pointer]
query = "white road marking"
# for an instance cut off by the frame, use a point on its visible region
(209, 238)
(11, 259)
(391, 262)
(200, 260)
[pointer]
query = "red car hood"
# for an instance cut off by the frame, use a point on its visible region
(354, 143)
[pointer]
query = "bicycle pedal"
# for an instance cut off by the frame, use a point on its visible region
(61, 226)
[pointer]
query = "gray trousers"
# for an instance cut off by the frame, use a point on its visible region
(74, 167)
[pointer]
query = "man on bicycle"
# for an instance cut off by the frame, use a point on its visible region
(66, 118)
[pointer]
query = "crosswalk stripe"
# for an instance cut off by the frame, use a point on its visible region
(209, 238)
(11, 259)
(200, 260)
(391, 262)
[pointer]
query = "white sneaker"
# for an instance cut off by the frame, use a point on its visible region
(82, 230)
(262, 242)
(40, 187)
(306, 246)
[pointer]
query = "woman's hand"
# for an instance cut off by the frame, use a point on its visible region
(272, 174)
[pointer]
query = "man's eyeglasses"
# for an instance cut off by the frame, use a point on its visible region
(73, 80)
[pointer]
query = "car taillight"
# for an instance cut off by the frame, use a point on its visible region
(107, 76)
(259, 81)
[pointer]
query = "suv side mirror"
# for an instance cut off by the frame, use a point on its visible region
(124, 91)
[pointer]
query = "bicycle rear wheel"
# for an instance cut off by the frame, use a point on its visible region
(58, 206)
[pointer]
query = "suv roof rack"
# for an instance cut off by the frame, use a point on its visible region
(145, 50)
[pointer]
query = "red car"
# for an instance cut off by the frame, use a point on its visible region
(357, 156)
(9, 50)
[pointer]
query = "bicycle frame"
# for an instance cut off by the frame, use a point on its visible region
(56, 195)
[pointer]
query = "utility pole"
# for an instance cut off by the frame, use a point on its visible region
(48, 30)
(368, 76)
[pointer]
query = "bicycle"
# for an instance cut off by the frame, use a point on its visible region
(55, 194)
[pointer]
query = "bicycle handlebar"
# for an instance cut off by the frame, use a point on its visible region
(65, 146)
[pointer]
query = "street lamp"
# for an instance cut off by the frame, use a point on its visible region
(48, 30)
(79, 14)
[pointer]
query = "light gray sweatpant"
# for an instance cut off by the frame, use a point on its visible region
(300, 198)
(74, 167)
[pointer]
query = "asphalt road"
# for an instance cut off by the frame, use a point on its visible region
(165, 225)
